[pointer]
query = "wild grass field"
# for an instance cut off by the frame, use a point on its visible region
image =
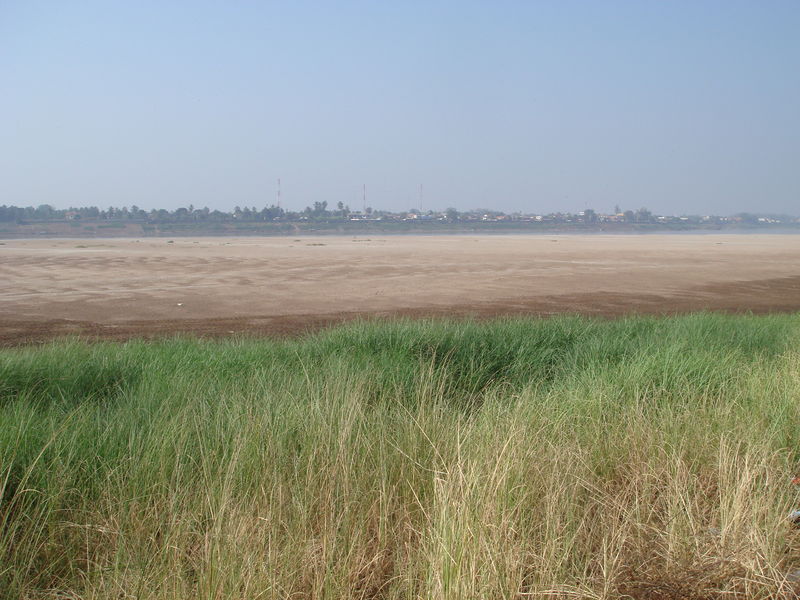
(556, 458)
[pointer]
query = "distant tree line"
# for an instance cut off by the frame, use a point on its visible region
(45, 212)
(319, 211)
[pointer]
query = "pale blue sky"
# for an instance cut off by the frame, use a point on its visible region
(683, 107)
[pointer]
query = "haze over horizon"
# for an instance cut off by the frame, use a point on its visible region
(516, 106)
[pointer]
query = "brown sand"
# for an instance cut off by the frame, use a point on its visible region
(122, 288)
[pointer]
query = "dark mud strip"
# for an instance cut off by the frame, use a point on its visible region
(780, 295)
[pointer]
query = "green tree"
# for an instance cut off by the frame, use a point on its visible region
(320, 209)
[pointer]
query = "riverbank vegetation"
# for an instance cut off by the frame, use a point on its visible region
(556, 458)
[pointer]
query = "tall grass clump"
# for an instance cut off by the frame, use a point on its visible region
(557, 458)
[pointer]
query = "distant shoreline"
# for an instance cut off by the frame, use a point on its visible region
(99, 230)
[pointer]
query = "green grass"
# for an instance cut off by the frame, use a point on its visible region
(558, 458)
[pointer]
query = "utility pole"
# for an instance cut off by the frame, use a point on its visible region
(364, 197)
(278, 193)
(420, 198)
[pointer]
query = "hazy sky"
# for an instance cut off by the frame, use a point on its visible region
(682, 107)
